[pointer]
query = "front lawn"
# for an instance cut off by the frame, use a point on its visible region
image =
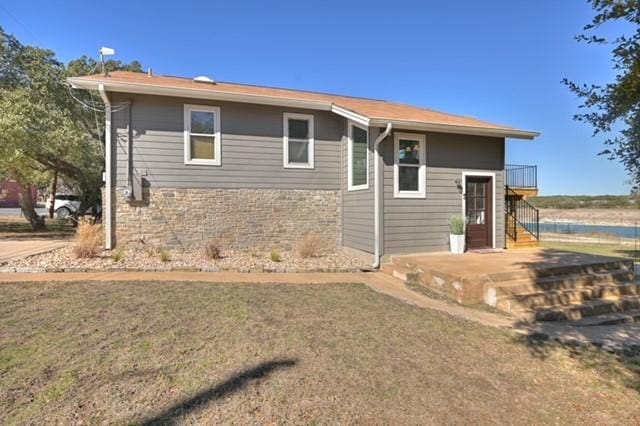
(221, 353)
(614, 250)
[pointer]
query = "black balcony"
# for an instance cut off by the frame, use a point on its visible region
(521, 176)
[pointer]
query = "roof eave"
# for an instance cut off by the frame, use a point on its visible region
(147, 89)
(458, 129)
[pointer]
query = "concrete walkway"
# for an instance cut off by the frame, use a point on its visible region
(17, 248)
(612, 337)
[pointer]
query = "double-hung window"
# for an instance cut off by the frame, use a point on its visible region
(358, 157)
(298, 141)
(409, 168)
(202, 134)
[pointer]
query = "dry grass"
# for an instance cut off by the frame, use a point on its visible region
(212, 250)
(17, 228)
(88, 241)
(135, 352)
(310, 245)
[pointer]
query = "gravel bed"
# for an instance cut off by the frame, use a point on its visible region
(141, 259)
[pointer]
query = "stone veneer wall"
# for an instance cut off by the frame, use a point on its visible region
(243, 219)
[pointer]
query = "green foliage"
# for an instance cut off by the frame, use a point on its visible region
(275, 256)
(118, 255)
(165, 256)
(616, 104)
(44, 125)
(585, 201)
(457, 225)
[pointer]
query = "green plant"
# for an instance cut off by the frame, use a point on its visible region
(165, 256)
(212, 250)
(456, 223)
(88, 240)
(118, 255)
(275, 256)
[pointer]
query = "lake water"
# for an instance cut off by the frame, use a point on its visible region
(574, 228)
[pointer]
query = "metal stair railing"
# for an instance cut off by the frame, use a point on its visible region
(521, 213)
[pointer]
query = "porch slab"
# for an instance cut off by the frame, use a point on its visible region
(466, 277)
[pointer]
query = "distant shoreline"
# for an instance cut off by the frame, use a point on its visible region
(589, 216)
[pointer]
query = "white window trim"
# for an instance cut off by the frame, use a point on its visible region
(469, 173)
(216, 135)
(285, 141)
(350, 185)
(422, 172)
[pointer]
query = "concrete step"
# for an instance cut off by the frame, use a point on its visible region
(626, 317)
(550, 271)
(586, 309)
(561, 282)
(403, 273)
(546, 299)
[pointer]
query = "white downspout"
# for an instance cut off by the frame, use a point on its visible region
(108, 241)
(376, 195)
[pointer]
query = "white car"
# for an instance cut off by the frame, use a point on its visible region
(65, 205)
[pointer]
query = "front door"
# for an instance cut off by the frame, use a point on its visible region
(478, 212)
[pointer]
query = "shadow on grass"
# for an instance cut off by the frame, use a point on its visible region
(622, 366)
(230, 386)
(17, 228)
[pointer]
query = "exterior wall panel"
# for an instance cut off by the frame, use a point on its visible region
(422, 224)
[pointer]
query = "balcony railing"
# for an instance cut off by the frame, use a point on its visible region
(521, 176)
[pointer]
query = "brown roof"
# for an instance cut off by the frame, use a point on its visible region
(370, 108)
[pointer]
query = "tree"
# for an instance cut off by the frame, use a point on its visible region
(44, 126)
(616, 104)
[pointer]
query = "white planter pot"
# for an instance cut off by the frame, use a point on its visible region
(457, 243)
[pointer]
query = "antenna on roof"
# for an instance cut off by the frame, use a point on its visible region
(105, 51)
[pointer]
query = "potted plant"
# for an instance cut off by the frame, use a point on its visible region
(456, 223)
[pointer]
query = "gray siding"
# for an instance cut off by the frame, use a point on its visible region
(252, 151)
(358, 206)
(421, 225)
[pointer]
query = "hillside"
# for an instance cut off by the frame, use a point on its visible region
(586, 201)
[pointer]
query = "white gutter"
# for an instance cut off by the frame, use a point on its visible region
(458, 129)
(108, 240)
(376, 194)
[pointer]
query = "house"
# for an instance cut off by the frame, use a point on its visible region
(258, 167)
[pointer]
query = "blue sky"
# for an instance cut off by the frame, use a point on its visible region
(498, 60)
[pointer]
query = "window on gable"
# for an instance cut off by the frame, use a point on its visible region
(358, 157)
(409, 165)
(298, 141)
(201, 134)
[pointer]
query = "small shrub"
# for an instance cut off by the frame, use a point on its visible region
(118, 255)
(456, 223)
(88, 240)
(150, 251)
(311, 245)
(165, 256)
(275, 256)
(212, 250)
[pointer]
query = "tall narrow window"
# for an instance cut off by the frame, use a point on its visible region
(298, 141)
(201, 135)
(409, 169)
(358, 157)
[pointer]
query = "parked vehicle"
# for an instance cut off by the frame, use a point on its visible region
(66, 205)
